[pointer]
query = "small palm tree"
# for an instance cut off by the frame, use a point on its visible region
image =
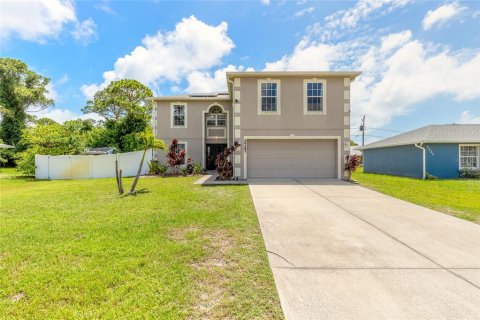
(149, 142)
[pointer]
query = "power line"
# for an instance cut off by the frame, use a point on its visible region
(368, 135)
(385, 130)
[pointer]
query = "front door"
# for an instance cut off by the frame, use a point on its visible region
(212, 151)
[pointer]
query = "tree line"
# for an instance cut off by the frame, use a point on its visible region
(124, 106)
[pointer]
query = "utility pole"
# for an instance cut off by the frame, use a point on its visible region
(362, 128)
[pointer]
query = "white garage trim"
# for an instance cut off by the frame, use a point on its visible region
(294, 137)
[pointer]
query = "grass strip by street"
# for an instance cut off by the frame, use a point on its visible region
(457, 197)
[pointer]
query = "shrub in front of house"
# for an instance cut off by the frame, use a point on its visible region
(223, 163)
(469, 174)
(429, 176)
(162, 169)
(351, 165)
(175, 156)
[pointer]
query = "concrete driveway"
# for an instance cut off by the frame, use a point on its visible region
(341, 251)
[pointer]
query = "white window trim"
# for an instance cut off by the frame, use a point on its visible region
(305, 104)
(186, 145)
(460, 156)
(216, 120)
(259, 97)
(171, 114)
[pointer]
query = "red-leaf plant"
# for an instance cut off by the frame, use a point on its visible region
(352, 163)
(223, 163)
(175, 158)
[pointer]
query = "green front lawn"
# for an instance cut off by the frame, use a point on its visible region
(460, 198)
(77, 250)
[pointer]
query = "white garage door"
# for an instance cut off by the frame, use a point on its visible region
(292, 158)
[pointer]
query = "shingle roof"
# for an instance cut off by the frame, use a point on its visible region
(447, 133)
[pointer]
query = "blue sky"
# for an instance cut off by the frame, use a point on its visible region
(420, 59)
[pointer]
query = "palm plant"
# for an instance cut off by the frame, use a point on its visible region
(149, 142)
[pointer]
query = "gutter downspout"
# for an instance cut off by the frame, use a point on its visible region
(419, 146)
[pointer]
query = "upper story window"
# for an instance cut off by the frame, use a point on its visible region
(314, 96)
(216, 117)
(469, 157)
(216, 120)
(269, 96)
(179, 115)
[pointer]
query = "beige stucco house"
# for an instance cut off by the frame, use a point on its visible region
(289, 124)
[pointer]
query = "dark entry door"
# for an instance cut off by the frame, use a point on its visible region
(212, 151)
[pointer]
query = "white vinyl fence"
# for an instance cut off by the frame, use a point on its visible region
(89, 166)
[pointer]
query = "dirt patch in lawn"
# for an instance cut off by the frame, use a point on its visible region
(212, 275)
(182, 234)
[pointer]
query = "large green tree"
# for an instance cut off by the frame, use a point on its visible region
(51, 138)
(21, 90)
(126, 107)
(121, 98)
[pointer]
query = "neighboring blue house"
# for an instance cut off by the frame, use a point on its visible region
(440, 150)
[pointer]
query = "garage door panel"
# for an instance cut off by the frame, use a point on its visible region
(292, 158)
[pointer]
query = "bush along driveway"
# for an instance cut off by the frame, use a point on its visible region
(75, 249)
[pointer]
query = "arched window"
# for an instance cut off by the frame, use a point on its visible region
(215, 109)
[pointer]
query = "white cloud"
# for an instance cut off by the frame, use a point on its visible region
(265, 2)
(206, 82)
(89, 90)
(105, 7)
(303, 12)
(394, 84)
(441, 15)
(63, 80)
(85, 31)
(37, 20)
(348, 19)
(306, 56)
(467, 118)
(169, 56)
(399, 73)
(395, 40)
(52, 85)
(62, 115)
(51, 92)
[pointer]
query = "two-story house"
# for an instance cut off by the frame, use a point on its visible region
(289, 124)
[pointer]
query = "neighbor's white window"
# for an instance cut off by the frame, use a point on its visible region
(314, 96)
(269, 96)
(469, 157)
(179, 115)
